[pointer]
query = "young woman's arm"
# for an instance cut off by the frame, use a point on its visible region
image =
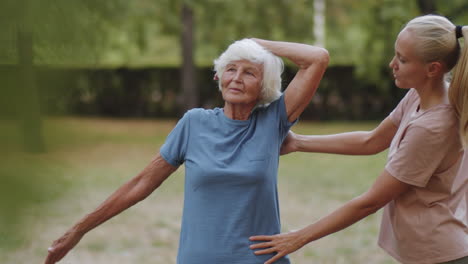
(127, 195)
(312, 62)
(385, 189)
(351, 143)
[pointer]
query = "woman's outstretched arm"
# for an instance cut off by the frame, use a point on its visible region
(351, 143)
(135, 190)
(312, 62)
(385, 189)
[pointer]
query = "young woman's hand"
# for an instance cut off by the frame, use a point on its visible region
(282, 244)
(289, 144)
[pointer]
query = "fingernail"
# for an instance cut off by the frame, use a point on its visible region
(50, 249)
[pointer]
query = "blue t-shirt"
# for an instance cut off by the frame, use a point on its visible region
(231, 169)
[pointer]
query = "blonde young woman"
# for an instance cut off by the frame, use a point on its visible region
(424, 185)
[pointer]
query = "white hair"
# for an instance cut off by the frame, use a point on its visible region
(247, 49)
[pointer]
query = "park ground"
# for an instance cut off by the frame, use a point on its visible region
(88, 158)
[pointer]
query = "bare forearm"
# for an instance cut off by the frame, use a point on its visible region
(385, 189)
(343, 217)
(351, 143)
(283, 244)
(115, 204)
(302, 55)
(312, 62)
(129, 194)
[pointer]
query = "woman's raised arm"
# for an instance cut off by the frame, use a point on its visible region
(312, 62)
(135, 190)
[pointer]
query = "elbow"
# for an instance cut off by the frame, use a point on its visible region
(314, 58)
(371, 145)
(369, 205)
(138, 189)
(369, 209)
(323, 57)
(373, 209)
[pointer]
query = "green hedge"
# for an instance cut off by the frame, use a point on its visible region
(155, 92)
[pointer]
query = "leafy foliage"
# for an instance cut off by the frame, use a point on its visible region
(147, 32)
(381, 25)
(63, 32)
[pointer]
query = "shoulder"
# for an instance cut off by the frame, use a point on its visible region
(412, 94)
(201, 113)
(440, 116)
(408, 102)
(278, 103)
(410, 98)
(439, 119)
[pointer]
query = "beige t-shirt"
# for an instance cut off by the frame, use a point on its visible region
(429, 222)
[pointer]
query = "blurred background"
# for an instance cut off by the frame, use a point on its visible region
(89, 90)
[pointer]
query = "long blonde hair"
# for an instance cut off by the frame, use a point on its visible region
(458, 92)
(437, 41)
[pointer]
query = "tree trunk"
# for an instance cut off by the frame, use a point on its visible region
(319, 22)
(189, 87)
(427, 6)
(28, 101)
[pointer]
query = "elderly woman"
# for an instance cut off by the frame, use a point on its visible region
(231, 156)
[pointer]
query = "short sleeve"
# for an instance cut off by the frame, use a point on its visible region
(418, 155)
(397, 114)
(175, 147)
(279, 108)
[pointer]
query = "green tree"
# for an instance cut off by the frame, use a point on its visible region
(380, 24)
(193, 33)
(44, 33)
(37, 34)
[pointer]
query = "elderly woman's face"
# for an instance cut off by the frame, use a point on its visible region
(241, 82)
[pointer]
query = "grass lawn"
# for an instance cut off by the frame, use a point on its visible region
(42, 195)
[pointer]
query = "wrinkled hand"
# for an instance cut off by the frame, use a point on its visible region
(289, 144)
(61, 246)
(282, 244)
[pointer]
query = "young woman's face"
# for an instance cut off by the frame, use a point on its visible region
(409, 70)
(241, 82)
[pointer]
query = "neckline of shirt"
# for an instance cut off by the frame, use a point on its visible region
(233, 121)
(420, 111)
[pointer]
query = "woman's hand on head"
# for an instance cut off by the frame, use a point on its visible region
(62, 246)
(282, 244)
(289, 144)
